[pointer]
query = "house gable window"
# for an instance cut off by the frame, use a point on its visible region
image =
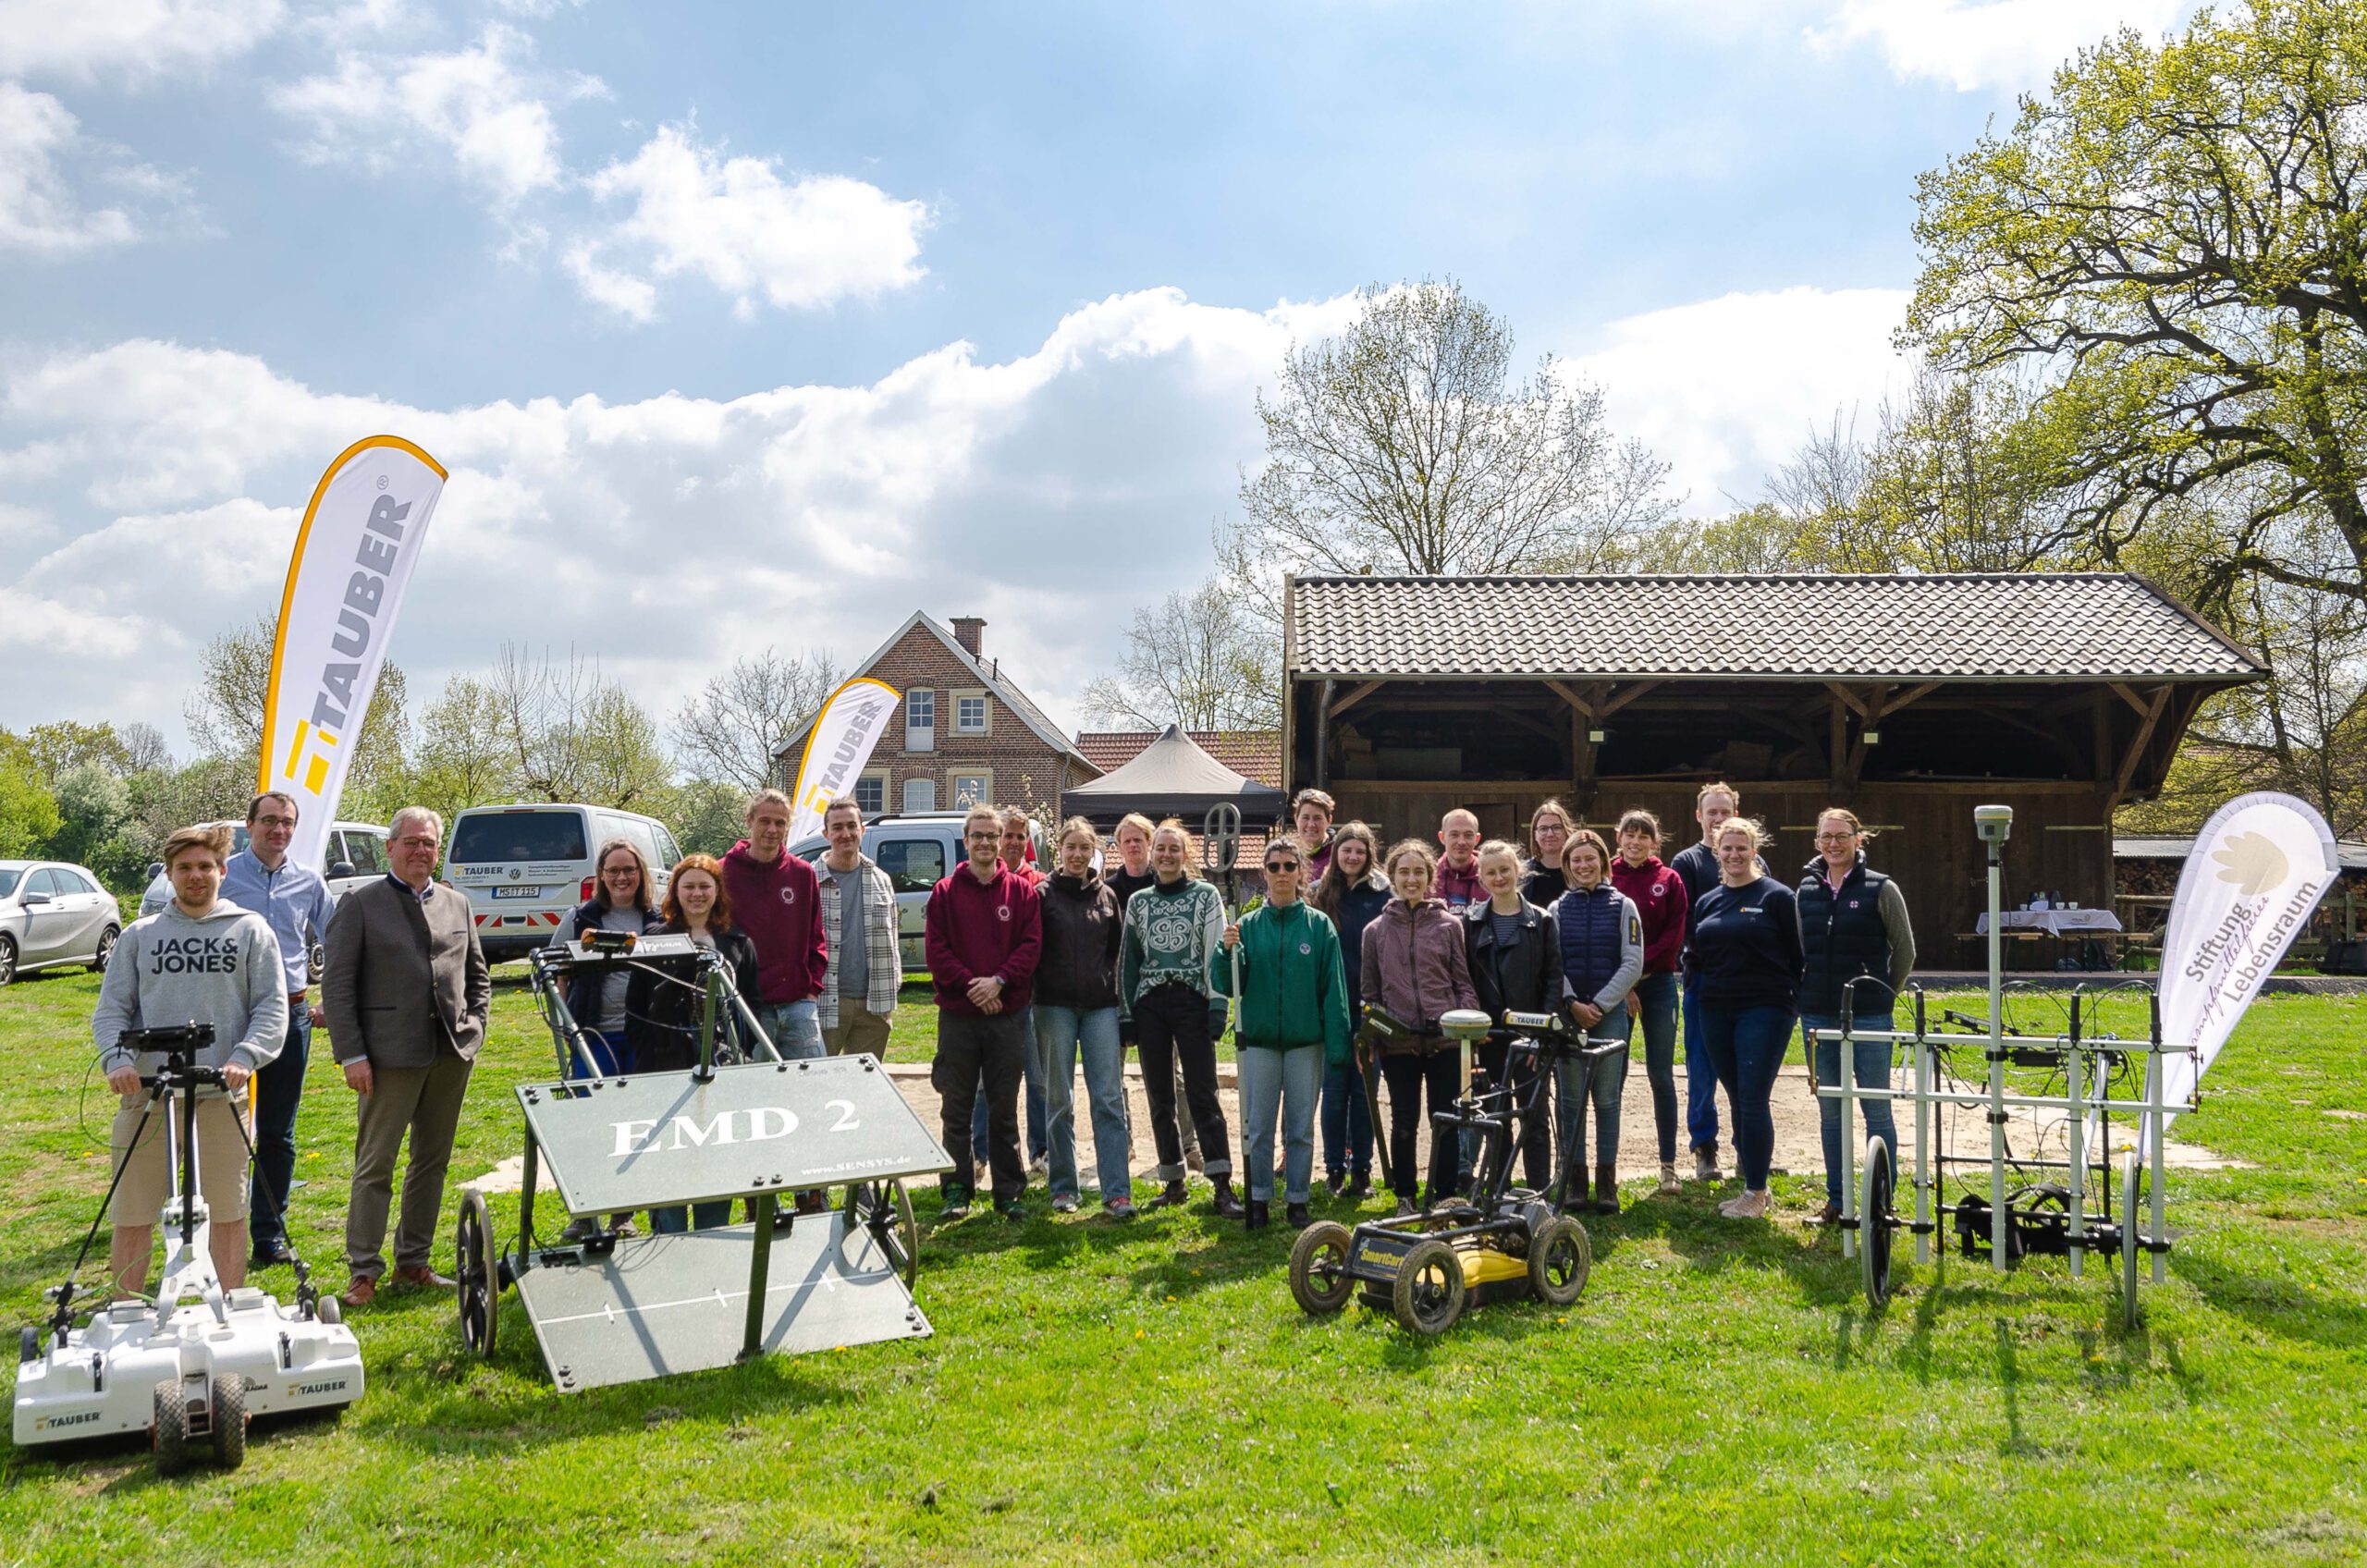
(920, 721)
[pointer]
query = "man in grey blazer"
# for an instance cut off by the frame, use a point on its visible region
(406, 988)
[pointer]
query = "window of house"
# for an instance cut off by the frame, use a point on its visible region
(920, 725)
(920, 795)
(972, 789)
(871, 795)
(970, 713)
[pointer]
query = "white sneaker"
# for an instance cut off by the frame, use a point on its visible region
(1065, 1205)
(1749, 1205)
(1668, 1186)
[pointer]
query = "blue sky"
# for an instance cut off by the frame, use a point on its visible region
(747, 324)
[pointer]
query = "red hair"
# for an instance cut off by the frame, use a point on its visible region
(719, 917)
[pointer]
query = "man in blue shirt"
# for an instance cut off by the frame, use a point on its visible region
(294, 901)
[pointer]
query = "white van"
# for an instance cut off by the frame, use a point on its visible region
(355, 852)
(526, 867)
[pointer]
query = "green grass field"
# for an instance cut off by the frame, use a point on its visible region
(1149, 1394)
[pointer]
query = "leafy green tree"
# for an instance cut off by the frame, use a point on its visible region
(28, 810)
(224, 713)
(2169, 248)
(94, 809)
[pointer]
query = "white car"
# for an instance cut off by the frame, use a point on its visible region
(526, 867)
(355, 852)
(50, 913)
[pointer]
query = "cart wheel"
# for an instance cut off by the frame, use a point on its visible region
(170, 1437)
(328, 1309)
(1876, 1220)
(2131, 1173)
(480, 1297)
(28, 1345)
(1559, 1258)
(885, 1209)
(230, 1421)
(1319, 1277)
(1428, 1295)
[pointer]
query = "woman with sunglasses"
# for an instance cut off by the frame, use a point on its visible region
(1293, 1021)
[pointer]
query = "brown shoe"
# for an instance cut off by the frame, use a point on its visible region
(423, 1278)
(1829, 1215)
(359, 1291)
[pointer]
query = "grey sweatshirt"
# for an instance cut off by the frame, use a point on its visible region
(168, 969)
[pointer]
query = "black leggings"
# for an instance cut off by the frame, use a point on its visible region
(1171, 1022)
(1440, 1072)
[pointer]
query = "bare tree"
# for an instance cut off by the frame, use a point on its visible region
(733, 728)
(1404, 446)
(568, 735)
(1200, 660)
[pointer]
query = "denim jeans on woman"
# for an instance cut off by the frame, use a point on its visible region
(1062, 1033)
(1871, 1063)
(1576, 1086)
(1656, 1000)
(794, 1028)
(1701, 1080)
(1747, 1046)
(1347, 1123)
(1287, 1082)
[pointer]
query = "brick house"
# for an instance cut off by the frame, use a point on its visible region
(963, 732)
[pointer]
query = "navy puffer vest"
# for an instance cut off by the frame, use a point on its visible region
(1842, 934)
(1591, 938)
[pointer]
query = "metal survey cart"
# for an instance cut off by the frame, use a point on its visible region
(609, 1307)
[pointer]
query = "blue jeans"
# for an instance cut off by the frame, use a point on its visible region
(675, 1218)
(1656, 997)
(278, 1087)
(1031, 1098)
(1700, 1081)
(1347, 1122)
(1285, 1081)
(1604, 1088)
(1061, 1033)
(794, 1028)
(1871, 1061)
(1747, 1045)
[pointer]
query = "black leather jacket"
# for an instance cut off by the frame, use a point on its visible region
(1524, 977)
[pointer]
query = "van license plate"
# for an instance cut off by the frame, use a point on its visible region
(517, 892)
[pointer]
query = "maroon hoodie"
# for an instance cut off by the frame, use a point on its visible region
(1658, 893)
(780, 908)
(980, 928)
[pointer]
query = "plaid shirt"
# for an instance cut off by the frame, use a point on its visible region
(887, 965)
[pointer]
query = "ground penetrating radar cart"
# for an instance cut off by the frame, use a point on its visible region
(1499, 1242)
(193, 1364)
(610, 1307)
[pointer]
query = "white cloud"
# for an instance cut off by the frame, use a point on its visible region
(1986, 43)
(1049, 492)
(806, 241)
(39, 214)
(1726, 389)
(136, 39)
(479, 106)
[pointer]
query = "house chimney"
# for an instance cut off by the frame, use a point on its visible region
(965, 632)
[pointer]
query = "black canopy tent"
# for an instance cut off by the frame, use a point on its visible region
(1173, 777)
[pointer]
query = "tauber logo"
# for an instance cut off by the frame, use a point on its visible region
(761, 1125)
(303, 1390)
(51, 1423)
(356, 621)
(2252, 862)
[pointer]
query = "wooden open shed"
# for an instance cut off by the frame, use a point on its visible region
(1908, 698)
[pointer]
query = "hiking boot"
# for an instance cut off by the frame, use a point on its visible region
(1226, 1206)
(1405, 1209)
(1358, 1188)
(1011, 1209)
(1575, 1199)
(1829, 1215)
(956, 1201)
(1256, 1213)
(1668, 1187)
(1336, 1182)
(1169, 1195)
(1705, 1162)
(1606, 1189)
(1296, 1216)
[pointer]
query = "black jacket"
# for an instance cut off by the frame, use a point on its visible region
(1526, 976)
(1083, 925)
(662, 1017)
(583, 1001)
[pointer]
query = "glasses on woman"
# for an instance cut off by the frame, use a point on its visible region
(1290, 865)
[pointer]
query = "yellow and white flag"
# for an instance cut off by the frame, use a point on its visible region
(352, 562)
(844, 732)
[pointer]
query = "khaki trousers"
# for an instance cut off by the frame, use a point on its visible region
(425, 1103)
(858, 1030)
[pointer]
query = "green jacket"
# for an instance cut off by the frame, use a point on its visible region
(1293, 992)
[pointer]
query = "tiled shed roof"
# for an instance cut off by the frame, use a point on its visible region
(2023, 626)
(1253, 753)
